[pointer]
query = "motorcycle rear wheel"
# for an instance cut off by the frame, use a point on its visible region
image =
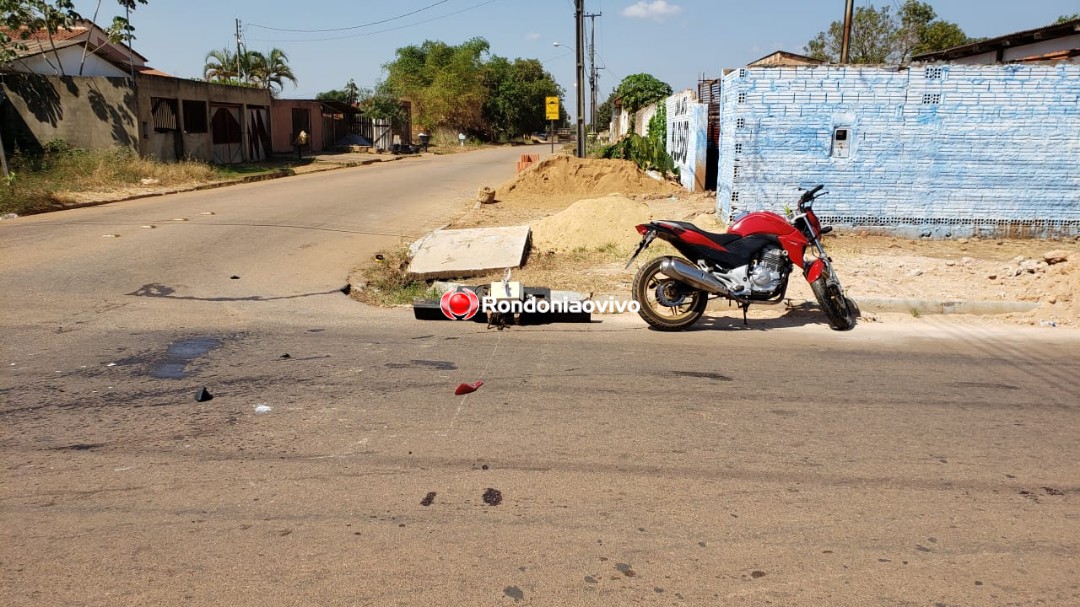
(838, 309)
(650, 281)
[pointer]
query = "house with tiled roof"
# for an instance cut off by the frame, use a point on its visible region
(92, 91)
(85, 49)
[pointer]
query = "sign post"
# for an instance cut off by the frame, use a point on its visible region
(551, 112)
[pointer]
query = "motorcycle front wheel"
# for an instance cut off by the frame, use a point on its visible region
(838, 309)
(665, 303)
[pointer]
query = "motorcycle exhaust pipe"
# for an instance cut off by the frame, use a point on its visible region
(693, 276)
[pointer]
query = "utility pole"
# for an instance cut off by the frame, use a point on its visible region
(592, 67)
(3, 157)
(239, 76)
(580, 18)
(847, 31)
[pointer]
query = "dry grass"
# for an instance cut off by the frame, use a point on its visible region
(385, 281)
(38, 182)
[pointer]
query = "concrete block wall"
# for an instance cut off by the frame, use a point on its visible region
(935, 150)
(687, 137)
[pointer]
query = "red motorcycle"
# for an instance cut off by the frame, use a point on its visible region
(750, 263)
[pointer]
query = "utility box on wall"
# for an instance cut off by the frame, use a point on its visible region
(941, 150)
(841, 143)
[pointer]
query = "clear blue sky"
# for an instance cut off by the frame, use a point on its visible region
(674, 40)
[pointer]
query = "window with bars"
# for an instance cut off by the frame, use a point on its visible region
(195, 118)
(931, 98)
(164, 112)
(934, 73)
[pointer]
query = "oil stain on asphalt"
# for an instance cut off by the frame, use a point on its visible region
(180, 354)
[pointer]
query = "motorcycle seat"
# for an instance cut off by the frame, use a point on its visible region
(718, 238)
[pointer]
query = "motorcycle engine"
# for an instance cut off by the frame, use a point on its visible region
(769, 271)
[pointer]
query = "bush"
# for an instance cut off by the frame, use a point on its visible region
(648, 152)
(387, 281)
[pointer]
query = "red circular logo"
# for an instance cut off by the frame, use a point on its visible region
(459, 304)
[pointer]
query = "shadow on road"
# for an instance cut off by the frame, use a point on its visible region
(792, 317)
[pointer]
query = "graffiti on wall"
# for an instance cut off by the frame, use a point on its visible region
(687, 124)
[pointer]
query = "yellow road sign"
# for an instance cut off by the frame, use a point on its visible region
(552, 107)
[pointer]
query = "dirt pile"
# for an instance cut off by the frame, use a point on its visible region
(565, 177)
(1052, 280)
(591, 224)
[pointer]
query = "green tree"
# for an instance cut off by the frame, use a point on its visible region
(604, 112)
(220, 66)
(1068, 18)
(872, 34)
(879, 36)
(445, 83)
(331, 95)
(516, 97)
(940, 35)
(381, 103)
(639, 90)
(29, 17)
(270, 70)
(252, 68)
(352, 92)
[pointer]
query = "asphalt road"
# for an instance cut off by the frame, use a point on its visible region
(923, 463)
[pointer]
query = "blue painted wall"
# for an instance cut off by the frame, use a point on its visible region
(935, 150)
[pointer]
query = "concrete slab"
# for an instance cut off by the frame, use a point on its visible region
(462, 253)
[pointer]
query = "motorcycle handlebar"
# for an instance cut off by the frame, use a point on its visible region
(809, 194)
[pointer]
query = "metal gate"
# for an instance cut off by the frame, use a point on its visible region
(258, 133)
(226, 134)
(382, 135)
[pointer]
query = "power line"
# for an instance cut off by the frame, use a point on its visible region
(351, 27)
(392, 29)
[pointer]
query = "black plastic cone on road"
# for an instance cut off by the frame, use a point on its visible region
(203, 395)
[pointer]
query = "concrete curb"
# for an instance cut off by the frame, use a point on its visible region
(883, 305)
(929, 306)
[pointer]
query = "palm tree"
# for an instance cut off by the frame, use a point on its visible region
(271, 70)
(220, 66)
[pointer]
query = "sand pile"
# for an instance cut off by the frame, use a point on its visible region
(567, 176)
(591, 224)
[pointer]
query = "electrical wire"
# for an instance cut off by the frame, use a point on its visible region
(383, 31)
(351, 27)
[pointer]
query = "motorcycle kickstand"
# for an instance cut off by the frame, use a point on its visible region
(745, 308)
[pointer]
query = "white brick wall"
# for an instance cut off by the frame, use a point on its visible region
(967, 149)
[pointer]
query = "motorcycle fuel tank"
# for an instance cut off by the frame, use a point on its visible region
(761, 222)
